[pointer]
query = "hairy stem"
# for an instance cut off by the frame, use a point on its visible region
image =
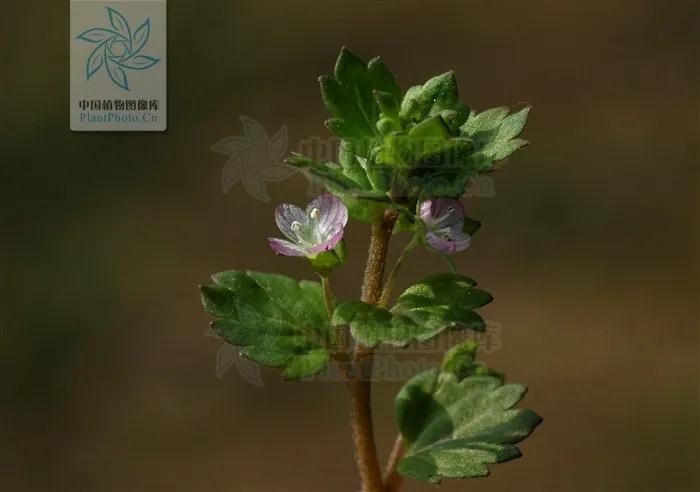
(361, 382)
(376, 259)
(392, 480)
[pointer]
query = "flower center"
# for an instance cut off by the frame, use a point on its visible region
(296, 226)
(315, 214)
(118, 49)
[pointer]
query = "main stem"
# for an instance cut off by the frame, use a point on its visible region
(361, 381)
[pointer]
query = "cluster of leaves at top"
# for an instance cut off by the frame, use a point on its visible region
(398, 149)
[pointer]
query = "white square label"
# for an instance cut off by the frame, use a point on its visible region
(118, 65)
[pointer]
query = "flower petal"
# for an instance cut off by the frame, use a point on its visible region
(333, 214)
(438, 213)
(448, 241)
(460, 239)
(286, 215)
(286, 248)
(328, 244)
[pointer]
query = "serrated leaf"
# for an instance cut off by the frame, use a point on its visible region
(484, 121)
(388, 104)
(349, 95)
(513, 125)
(349, 122)
(455, 427)
(438, 95)
(501, 151)
(278, 321)
(460, 361)
(351, 161)
(329, 174)
(494, 134)
(424, 310)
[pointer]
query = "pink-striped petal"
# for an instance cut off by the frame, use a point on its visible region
(286, 215)
(327, 245)
(332, 214)
(441, 212)
(286, 248)
(448, 241)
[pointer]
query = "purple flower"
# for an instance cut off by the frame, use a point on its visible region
(444, 223)
(317, 229)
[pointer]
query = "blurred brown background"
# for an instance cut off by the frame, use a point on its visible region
(589, 246)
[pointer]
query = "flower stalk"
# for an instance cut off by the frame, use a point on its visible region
(392, 480)
(328, 295)
(391, 278)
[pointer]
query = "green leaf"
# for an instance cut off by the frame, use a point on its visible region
(388, 104)
(424, 310)
(439, 95)
(349, 95)
(351, 161)
(327, 173)
(495, 133)
(278, 321)
(484, 121)
(454, 426)
(362, 201)
(425, 144)
(460, 362)
(433, 128)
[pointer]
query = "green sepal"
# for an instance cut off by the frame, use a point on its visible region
(471, 226)
(327, 261)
